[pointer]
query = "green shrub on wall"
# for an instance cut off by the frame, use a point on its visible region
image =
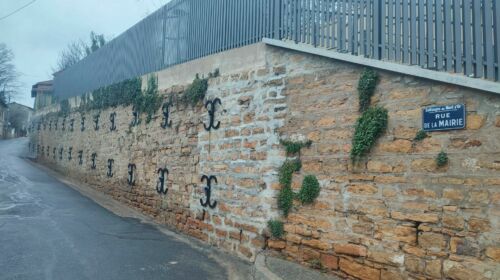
(442, 159)
(310, 189)
(421, 135)
(64, 108)
(276, 228)
(285, 200)
(371, 125)
(310, 186)
(149, 101)
(366, 87)
(373, 121)
(129, 93)
(286, 195)
(286, 171)
(293, 148)
(124, 93)
(195, 92)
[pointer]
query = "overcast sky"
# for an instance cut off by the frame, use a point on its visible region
(37, 33)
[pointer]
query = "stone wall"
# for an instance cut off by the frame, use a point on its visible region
(394, 215)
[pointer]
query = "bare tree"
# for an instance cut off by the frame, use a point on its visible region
(96, 41)
(68, 57)
(76, 51)
(8, 74)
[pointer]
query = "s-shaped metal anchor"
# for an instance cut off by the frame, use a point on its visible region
(211, 114)
(166, 112)
(135, 117)
(96, 121)
(80, 157)
(208, 191)
(112, 118)
(110, 167)
(160, 185)
(93, 158)
(82, 123)
(131, 176)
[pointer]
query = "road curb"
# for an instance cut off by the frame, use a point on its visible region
(262, 272)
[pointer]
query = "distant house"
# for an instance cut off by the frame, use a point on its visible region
(19, 118)
(43, 94)
(3, 119)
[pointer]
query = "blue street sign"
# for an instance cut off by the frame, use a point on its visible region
(444, 117)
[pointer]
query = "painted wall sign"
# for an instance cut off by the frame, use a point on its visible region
(448, 117)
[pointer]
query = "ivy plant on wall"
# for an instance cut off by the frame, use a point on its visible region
(310, 186)
(129, 93)
(442, 159)
(366, 87)
(373, 121)
(197, 90)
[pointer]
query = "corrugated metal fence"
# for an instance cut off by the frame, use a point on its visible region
(459, 36)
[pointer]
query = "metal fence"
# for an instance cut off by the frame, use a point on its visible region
(180, 31)
(460, 36)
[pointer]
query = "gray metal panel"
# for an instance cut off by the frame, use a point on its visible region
(343, 26)
(390, 29)
(488, 40)
(406, 33)
(362, 27)
(478, 40)
(383, 29)
(497, 36)
(457, 12)
(369, 28)
(448, 34)
(356, 12)
(467, 43)
(438, 26)
(376, 27)
(431, 62)
(398, 29)
(413, 28)
(421, 33)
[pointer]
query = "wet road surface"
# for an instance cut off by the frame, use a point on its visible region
(50, 231)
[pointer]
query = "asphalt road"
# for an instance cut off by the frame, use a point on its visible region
(50, 231)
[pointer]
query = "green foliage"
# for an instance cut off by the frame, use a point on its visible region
(286, 171)
(3, 98)
(285, 200)
(292, 147)
(124, 93)
(366, 88)
(442, 159)
(96, 42)
(64, 108)
(369, 127)
(214, 74)
(196, 91)
(421, 135)
(150, 101)
(286, 195)
(276, 227)
(316, 264)
(309, 190)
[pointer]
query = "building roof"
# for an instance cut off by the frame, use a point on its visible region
(45, 87)
(15, 104)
